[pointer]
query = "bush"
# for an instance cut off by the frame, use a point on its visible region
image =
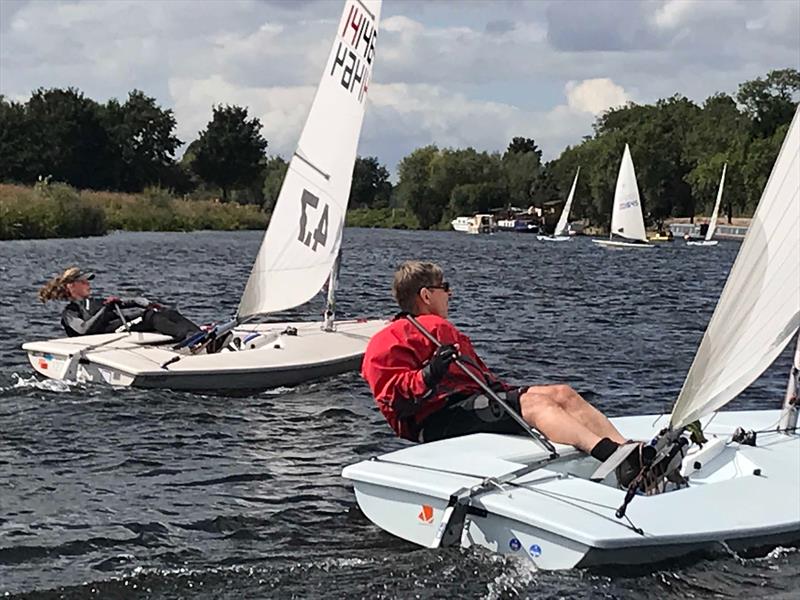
(47, 211)
(57, 210)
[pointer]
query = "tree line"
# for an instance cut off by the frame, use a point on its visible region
(60, 135)
(678, 148)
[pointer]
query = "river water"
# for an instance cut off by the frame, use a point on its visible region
(128, 493)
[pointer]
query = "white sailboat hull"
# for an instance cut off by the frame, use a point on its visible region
(740, 496)
(147, 360)
(702, 243)
(622, 244)
(553, 238)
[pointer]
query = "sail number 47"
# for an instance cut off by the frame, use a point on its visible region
(320, 235)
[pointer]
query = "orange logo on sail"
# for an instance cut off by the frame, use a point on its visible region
(426, 514)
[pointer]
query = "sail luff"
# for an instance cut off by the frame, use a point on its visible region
(712, 224)
(562, 225)
(303, 238)
(758, 312)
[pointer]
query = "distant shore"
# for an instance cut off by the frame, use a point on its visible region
(60, 211)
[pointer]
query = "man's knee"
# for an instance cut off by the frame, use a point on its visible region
(560, 393)
(533, 405)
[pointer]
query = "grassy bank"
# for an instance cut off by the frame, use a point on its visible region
(57, 210)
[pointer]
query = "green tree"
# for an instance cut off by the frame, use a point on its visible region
(770, 102)
(230, 150)
(274, 174)
(143, 141)
(451, 168)
(481, 197)
(413, 187)
(69, 137)
(18, 156)
(720, 135)
(521, 171)
(371, 187)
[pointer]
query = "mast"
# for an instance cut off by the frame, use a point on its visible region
(330, 305)
(788, 423)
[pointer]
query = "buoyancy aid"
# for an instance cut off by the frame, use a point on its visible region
(392, 367)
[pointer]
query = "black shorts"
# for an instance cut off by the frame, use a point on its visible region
(474, 414)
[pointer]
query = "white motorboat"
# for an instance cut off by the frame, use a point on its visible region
(562, 230)
(297, 258)
(740, 489)
(627, 222)
(475, 224)
(712, 224)
(461, 224)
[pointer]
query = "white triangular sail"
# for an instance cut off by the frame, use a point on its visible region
(712, 224)
(304, 234)
(562, 227)
(626, 216)
(758, 312)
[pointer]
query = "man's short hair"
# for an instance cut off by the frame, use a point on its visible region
(410, 278)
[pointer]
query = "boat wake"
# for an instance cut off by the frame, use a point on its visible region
(32, 382)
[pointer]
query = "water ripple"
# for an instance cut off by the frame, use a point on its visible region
(120, 493)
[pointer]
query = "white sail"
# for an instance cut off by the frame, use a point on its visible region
(758, 312)
(626, 216)
(304, 235)
(712, 224)
(562, 227)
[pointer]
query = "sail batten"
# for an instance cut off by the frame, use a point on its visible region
(758, 312)
(304, 236)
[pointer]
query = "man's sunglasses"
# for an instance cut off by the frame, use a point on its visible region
(444, 286)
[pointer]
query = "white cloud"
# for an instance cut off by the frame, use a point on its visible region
(673, 12)
(281, 110)
(473, 76)
(595, 95)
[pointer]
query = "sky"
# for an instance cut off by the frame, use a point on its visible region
(454, 73)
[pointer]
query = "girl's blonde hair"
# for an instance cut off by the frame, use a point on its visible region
(410, 278)
(56, 288)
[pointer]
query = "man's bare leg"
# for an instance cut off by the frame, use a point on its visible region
(580, 410)
(545, 414)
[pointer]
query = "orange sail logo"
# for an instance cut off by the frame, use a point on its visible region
(426, 514)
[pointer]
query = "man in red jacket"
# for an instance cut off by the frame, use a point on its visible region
(425, 397)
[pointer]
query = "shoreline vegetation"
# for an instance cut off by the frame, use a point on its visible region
(226, 180)
(60, 211)
(57, 210)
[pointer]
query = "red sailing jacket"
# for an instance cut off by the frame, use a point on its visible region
(393, 365)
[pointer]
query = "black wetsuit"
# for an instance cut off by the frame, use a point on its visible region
(91, 316)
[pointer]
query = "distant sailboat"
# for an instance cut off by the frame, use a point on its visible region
(712, 224)
(561, 233)
(627, 222)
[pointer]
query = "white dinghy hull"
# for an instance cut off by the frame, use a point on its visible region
(555, 517)
(147, 360)
(702, 243)
(621, 244)
(553, 238)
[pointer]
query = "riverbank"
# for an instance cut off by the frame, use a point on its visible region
(59, 211)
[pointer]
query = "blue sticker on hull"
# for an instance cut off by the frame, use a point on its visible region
(514, 544)
(535, 550)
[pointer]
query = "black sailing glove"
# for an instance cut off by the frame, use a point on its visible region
(435, 370)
